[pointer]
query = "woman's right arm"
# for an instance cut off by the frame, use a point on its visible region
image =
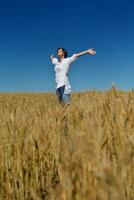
(51, 57)
(53, 60)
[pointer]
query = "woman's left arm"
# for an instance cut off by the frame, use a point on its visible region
(90, 51)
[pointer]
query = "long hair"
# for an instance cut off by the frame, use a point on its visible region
(64, 51)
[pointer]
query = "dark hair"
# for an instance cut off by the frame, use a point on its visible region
(64, 51)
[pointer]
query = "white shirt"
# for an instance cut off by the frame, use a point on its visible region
(61, 72)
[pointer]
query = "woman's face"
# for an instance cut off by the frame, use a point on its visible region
(60, 53)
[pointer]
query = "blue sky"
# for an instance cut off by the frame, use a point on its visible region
(30, 31)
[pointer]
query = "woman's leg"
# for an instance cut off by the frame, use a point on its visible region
(62, 97)
(60, 92)
(66, 98)
(58, 95)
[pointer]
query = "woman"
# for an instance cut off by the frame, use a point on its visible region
(63, 87)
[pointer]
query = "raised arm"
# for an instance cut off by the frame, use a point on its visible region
(53, 60)
(90, 51)
(51, 57)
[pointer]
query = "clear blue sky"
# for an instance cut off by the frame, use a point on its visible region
(30, 31)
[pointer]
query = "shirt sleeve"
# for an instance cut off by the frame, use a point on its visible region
(54, 61)
(72, 58)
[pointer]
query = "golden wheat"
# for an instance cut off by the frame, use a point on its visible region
(82, 152)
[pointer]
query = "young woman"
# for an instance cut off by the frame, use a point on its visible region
(62, 64)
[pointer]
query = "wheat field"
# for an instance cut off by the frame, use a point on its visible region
(82, 152)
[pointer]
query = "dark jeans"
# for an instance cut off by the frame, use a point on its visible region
(62, 97)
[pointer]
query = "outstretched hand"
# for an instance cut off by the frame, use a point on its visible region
(91, 51)
(51, 57)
